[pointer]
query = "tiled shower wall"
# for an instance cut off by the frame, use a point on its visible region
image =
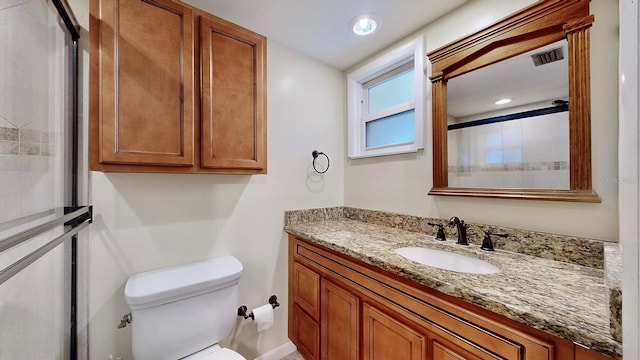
(31, 166)
(527, 153)
(28, 171)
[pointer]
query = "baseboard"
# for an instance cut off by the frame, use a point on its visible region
(279, 352)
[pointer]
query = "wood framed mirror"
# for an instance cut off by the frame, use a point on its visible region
(538, 26)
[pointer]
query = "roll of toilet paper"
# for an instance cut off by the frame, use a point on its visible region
(263, 316)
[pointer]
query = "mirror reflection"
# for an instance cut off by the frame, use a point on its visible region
(508, 123)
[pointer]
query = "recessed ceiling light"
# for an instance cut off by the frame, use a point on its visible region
(503, 101)
(363, 24)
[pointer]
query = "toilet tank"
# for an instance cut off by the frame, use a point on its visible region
(180, 310)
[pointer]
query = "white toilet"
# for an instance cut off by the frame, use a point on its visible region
(182, 312)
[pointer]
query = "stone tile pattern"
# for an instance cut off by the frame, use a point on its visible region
(561, 298)
(14, 141)
(510, 167)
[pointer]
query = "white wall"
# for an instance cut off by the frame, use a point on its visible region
(149, 221)
(629, 175)
(400, 183)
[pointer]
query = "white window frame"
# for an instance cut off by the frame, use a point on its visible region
(412, 50)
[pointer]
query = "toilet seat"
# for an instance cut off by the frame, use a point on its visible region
(215, 352)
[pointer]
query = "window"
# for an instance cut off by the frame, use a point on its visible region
(504, 145)
(386, 103)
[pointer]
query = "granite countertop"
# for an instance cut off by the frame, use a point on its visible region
(560, 298)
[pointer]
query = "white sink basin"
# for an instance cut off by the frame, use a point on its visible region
(447, 260)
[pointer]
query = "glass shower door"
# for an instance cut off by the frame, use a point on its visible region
(35, 106)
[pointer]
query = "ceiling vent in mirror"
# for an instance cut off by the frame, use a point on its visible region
(548, 56)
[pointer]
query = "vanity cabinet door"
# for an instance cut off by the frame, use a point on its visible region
(384, 337)
(306, 289)
(441, 351)
(340, 315)
(454, 348)
(305, 334)
(142, 83)
(304, 310)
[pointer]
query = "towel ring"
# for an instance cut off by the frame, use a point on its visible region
(315, 155)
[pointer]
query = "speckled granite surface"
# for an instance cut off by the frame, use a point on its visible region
(613, 280)
(564, 248)
(561, 298)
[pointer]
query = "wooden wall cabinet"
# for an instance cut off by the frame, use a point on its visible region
(342, 309)
(233, 96)
(174, 89)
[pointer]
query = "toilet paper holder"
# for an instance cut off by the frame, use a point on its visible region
(242, 310)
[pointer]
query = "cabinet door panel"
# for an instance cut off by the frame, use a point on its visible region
(386, 338)
(233, 92)
(444, 345)
(306, 294)
(306, 334)
(339, 323)
(145, 83)
(442, 352)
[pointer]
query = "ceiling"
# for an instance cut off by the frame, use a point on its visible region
(320, 29)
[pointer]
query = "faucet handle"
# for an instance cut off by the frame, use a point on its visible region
(487, 244)
(440, 235)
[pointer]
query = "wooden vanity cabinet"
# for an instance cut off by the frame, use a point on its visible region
(174, 89)
(340, 308)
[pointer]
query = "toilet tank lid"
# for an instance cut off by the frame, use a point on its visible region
(170, 284)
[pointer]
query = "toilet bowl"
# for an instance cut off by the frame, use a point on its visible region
(215, 352)
(182, 312)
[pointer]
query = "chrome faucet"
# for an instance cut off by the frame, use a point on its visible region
(462, 230)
